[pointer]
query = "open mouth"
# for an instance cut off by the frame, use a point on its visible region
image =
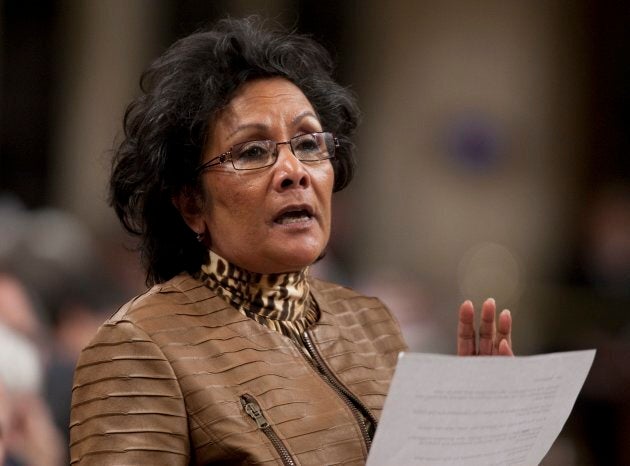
(290, 216)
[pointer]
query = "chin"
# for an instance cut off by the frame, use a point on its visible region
(300, 260)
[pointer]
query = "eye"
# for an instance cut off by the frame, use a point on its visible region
(252, 151)
(307, 144)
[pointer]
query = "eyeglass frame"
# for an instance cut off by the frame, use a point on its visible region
(227, 155)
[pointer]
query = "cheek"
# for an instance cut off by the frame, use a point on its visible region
(231, 201)
(325, 181)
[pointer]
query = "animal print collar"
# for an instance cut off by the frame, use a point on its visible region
(279, 301)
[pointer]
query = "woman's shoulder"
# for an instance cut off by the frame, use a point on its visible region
(345, 310)
(180, 291)
(180, 302)
(165, 313)
(340, 299)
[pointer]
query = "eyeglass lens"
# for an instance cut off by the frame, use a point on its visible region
(307, 147)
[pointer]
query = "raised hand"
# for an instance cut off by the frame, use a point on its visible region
(492, 338)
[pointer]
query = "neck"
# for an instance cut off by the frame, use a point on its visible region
(277, 296)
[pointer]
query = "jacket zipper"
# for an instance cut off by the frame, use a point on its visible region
(252, 408)
(352, 401)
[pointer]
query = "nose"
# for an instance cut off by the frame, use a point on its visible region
(289, 172)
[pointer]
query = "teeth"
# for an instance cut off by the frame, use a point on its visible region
(293, 217)
(285, 220)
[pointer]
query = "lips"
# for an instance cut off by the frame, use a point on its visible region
(294, 214)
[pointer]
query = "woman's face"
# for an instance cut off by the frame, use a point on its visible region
(273, 219)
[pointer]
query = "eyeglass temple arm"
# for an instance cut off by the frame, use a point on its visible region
(214, 162)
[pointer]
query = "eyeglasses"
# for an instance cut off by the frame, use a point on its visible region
(251, 155)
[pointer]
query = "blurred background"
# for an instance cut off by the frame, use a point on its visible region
(493, 161)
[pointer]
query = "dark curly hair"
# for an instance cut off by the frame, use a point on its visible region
(166, 127)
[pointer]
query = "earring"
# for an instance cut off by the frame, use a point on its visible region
(199, 237)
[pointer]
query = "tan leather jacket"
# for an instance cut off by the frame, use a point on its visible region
(178, 377)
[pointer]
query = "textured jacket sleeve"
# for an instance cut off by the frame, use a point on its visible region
(127, 405)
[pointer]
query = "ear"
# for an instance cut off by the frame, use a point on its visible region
(189, 204)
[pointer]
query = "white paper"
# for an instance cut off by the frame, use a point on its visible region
(477, 411)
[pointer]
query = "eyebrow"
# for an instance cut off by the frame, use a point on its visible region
(263, 127)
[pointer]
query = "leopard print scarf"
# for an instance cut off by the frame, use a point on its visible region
(279, 301)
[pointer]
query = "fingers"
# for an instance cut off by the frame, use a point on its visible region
(487, 328)
(504, 334)
(505, 349)
(466, 330)
(495, 335)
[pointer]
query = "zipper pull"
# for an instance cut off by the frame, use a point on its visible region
(253, 410)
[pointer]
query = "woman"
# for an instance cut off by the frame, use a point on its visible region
(237, 355)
